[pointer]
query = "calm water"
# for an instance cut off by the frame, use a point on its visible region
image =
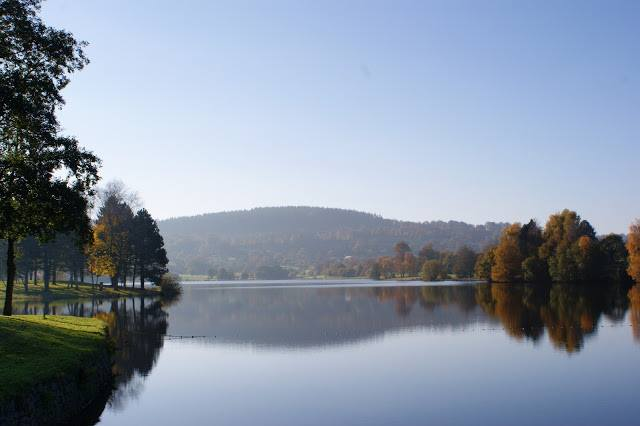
(318, 354)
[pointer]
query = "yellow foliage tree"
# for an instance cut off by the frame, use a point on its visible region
(633, 246)
(100, 259)
(508, 259)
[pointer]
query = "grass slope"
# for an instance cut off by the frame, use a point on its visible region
(34, 349)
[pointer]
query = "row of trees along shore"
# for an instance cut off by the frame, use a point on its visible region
(122, 245)
(126, 245)
(429, 263)
(47, 180)
(566, 250)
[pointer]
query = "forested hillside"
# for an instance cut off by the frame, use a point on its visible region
(300, 238)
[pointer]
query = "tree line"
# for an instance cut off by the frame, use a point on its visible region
(429, 263)
(262, 272)
(121, 245)
(566, 250)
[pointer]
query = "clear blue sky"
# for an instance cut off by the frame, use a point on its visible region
(474, 111)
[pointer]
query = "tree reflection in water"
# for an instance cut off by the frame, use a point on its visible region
(300, 317)
(136, 324)
(634, 299)
(568, 313)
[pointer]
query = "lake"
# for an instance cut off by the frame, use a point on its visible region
(374, 353)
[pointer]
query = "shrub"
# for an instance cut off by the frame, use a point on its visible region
(170, 285)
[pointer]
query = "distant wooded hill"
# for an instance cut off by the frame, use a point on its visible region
(302, 237)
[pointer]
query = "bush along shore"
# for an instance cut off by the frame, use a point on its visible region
(53, 368)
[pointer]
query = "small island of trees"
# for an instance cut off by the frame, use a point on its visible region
(567, 250)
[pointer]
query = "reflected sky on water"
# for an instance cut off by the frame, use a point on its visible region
(307, 353)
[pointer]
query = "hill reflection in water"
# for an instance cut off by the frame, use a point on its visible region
(312, 316)
(354, 349)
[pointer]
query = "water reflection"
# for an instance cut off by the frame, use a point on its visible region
(302, 317)
(137, 325)
(275, 322)
(567, 313)
(298, 317)
(634, 298)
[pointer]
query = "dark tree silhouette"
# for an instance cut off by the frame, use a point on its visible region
(150, 257)
(45, 179)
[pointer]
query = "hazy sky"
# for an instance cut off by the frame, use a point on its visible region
(474, 111)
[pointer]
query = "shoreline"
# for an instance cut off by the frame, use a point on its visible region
(62, 291)
(329, 279)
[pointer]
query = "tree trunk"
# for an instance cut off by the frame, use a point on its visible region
(11, 274)
(133, 276)
(142, 277)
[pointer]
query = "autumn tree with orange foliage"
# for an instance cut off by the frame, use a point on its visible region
(508, 259)
(633, 246)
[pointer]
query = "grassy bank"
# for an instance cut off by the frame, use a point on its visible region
(61, 291)
(37, 350)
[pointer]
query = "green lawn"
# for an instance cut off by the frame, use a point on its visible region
(34, 349)
(61, 291)
(188, 277)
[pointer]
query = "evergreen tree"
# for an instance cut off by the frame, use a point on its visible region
(148, 248)
(614, 258)
(534, 269)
